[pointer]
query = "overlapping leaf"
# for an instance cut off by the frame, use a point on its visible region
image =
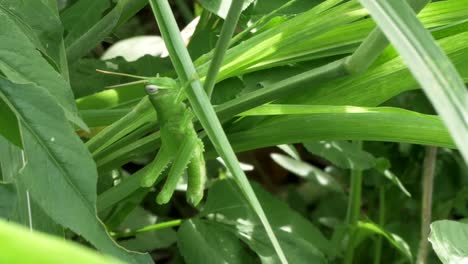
(427, 62)
(58, 166)
(21, 62)
(449, 240)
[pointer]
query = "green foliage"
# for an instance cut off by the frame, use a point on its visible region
(449, 240)
(75, 144)
(43, 248)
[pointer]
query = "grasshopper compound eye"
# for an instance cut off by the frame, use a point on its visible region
(151, 89)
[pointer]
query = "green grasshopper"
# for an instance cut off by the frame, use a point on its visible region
(180, 145)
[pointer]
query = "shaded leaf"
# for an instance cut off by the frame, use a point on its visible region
(21, 62)
(41, 24)
(80, 17)
(204, 242)
(26, 211)
(343, 154)
(299, 239)
(307, 171)
(122, 11)
(9, 128)
(146, 241)
(8, 199)
(394, 239)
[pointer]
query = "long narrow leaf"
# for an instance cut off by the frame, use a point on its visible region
(430, 66)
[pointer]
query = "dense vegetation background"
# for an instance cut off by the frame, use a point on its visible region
(343, 174)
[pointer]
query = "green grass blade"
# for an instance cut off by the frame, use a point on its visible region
(205, 112)
(430, 66)
(222, 45)
(306, 123)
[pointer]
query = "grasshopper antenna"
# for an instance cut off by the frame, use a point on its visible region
(122, 74)
(143, 79)
(125, 84)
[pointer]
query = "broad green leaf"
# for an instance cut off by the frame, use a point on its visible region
(449, 240)
(81, 16)
(204, 242)
(21, 62)
(42, 248)
(56, 156)
(8, 199)
(347, 155)
(89, 39)
(9, 128)
(395, 240)
(40, 23)
(226, 205)
(308, 171)
(147, 241)
(26, 211)
(221, 7)
(430, 66)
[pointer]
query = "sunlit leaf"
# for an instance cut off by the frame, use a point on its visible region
(449, 240)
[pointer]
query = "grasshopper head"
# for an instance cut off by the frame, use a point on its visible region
(151, 89)
(162, 83)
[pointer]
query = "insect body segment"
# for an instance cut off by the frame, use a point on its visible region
(180, 144)
(179, 140)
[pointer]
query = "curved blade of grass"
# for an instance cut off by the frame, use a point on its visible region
(10, 128)
(205, 112)
(430, 66)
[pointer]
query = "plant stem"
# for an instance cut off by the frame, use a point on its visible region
(354, 209)
(378, 244)
(222, 45)
(149, 228)
(204, 111)
(426, 210)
